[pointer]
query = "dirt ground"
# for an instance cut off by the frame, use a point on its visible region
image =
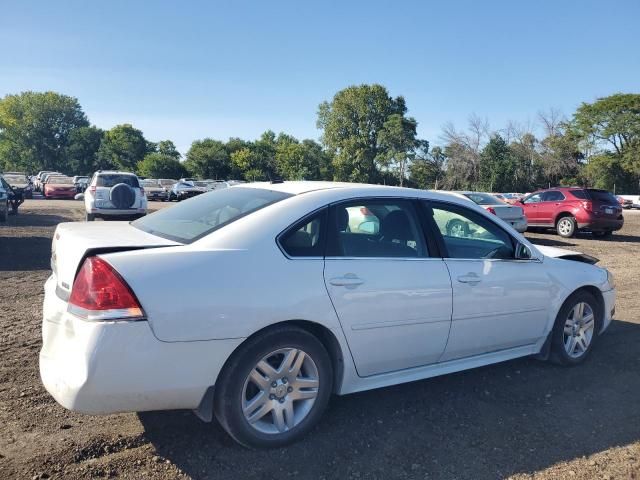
(519, 419)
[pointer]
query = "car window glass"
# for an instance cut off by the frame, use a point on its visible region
(553, 196)
(468, 234)
(111, 179)
(484, 198)
(305, 238)
(581, 194)
(602, 196)
(535, 198)
(377, 228)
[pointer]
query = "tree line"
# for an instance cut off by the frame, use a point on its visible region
(366, 136)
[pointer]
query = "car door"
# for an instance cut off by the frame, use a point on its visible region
(531, 209)
(499, 302)
(551, 200)
(392, 298)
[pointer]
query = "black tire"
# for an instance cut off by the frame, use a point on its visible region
(558, 354)
(229, 386)
(566, 226)
(457, 228)
(90, 217)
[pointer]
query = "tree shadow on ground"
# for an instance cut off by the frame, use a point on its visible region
(515, 417)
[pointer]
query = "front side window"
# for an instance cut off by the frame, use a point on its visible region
(553, 196)
(306, 238)
(382, 228)
(535, 198)
(188, 221)
(467, 234)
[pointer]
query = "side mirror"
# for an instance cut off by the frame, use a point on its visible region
(523, 252)
(79, 196)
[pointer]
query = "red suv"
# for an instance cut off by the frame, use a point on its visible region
(569, 209)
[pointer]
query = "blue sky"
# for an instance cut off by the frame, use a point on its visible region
(188, 70)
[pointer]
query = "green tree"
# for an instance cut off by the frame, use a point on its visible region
(351, 125)
(398, 145)
(168, 148)
(426, 171)
(208, 158)
(301, 160)
(82, 149)
(122, 147)
(497, 166)
(35, 128)
(160, 165)
(248, 162)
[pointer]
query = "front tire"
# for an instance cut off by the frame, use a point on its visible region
(274, 388)
(566, 226)
(576, 328)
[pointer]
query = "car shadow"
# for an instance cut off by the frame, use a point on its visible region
(25, 253)
(516, 417)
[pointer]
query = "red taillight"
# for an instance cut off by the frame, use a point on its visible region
(491, 210)
(100, 293)
(92, 189)
(588, 206)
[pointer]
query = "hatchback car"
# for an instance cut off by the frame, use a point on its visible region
(114, 195)
(306, 308)
(569, 210)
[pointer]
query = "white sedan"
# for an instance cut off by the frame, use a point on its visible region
(279, 304)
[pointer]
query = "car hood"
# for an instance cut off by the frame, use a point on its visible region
(555, 252)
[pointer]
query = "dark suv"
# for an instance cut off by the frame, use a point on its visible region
(569, 209)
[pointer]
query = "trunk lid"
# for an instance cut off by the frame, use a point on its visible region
(72, 242)
(508, 212)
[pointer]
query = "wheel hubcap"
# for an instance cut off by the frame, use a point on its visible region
(280, 390)
(564, 226)
(578, 330)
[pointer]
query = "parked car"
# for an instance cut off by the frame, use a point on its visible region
(81, 183)
(14, 198)
(625, 203)
(37, 183)
(305, 308)
(154, 190)
(58, 186)
(20, 183)
(4, 200)
(570, 209)
(511, 198)
(185, 189)
(513, 215)
(167, 183)
(114, 195)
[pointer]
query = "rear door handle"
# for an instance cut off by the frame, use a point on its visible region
(348, 280)
(471, 278)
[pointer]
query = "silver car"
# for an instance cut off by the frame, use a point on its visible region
(511, 214)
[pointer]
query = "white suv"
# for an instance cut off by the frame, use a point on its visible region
(114, 195)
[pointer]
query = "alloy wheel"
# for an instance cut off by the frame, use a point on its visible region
(565, 226)
(280, 391)
(578, 330)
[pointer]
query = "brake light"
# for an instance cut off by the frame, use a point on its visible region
(100, 293)
(92, 189)
(588, 206)
(491, 210)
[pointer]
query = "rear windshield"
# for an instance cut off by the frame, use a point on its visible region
(15, 178)
(192, 219)
(149, 183)
(111, 179)
(484, 199)
(60, 180)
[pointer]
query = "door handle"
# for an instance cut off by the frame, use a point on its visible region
(471, 278)
(349, 280)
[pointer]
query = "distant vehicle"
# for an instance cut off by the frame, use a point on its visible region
(15, 198)
(114, 195)
(625, 203)
(81, 183)
(570, 209)
(511, 198)
(188, 180)
(40, 177)
(4, 200)
(154, 190)
(19, 182)
(58, 186)
(513, 215)
(183, 190)
(215, 184)
(167, 183)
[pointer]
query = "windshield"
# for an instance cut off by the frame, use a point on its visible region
(484, 199)
(167, 181)
(148, 183)
(111, 179)
(60, 180)
(192, 219)
(602, 196)
(15, 178)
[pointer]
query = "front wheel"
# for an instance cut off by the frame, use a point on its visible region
(576, 329)
(274, 389)
(566, 227)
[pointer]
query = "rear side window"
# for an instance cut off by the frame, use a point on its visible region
(111, 179)
(190, 220)
(306, 238)
(553, 196)
(602, 196)
(581, 194)
(484, 198)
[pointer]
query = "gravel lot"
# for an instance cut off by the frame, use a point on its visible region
(519, 419)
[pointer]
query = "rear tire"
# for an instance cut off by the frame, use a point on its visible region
(576, 329)
(261, 405)
(566, 226)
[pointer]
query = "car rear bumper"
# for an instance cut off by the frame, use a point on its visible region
(120, 366)
(601, 224)
(519, 225)
(106, 212)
